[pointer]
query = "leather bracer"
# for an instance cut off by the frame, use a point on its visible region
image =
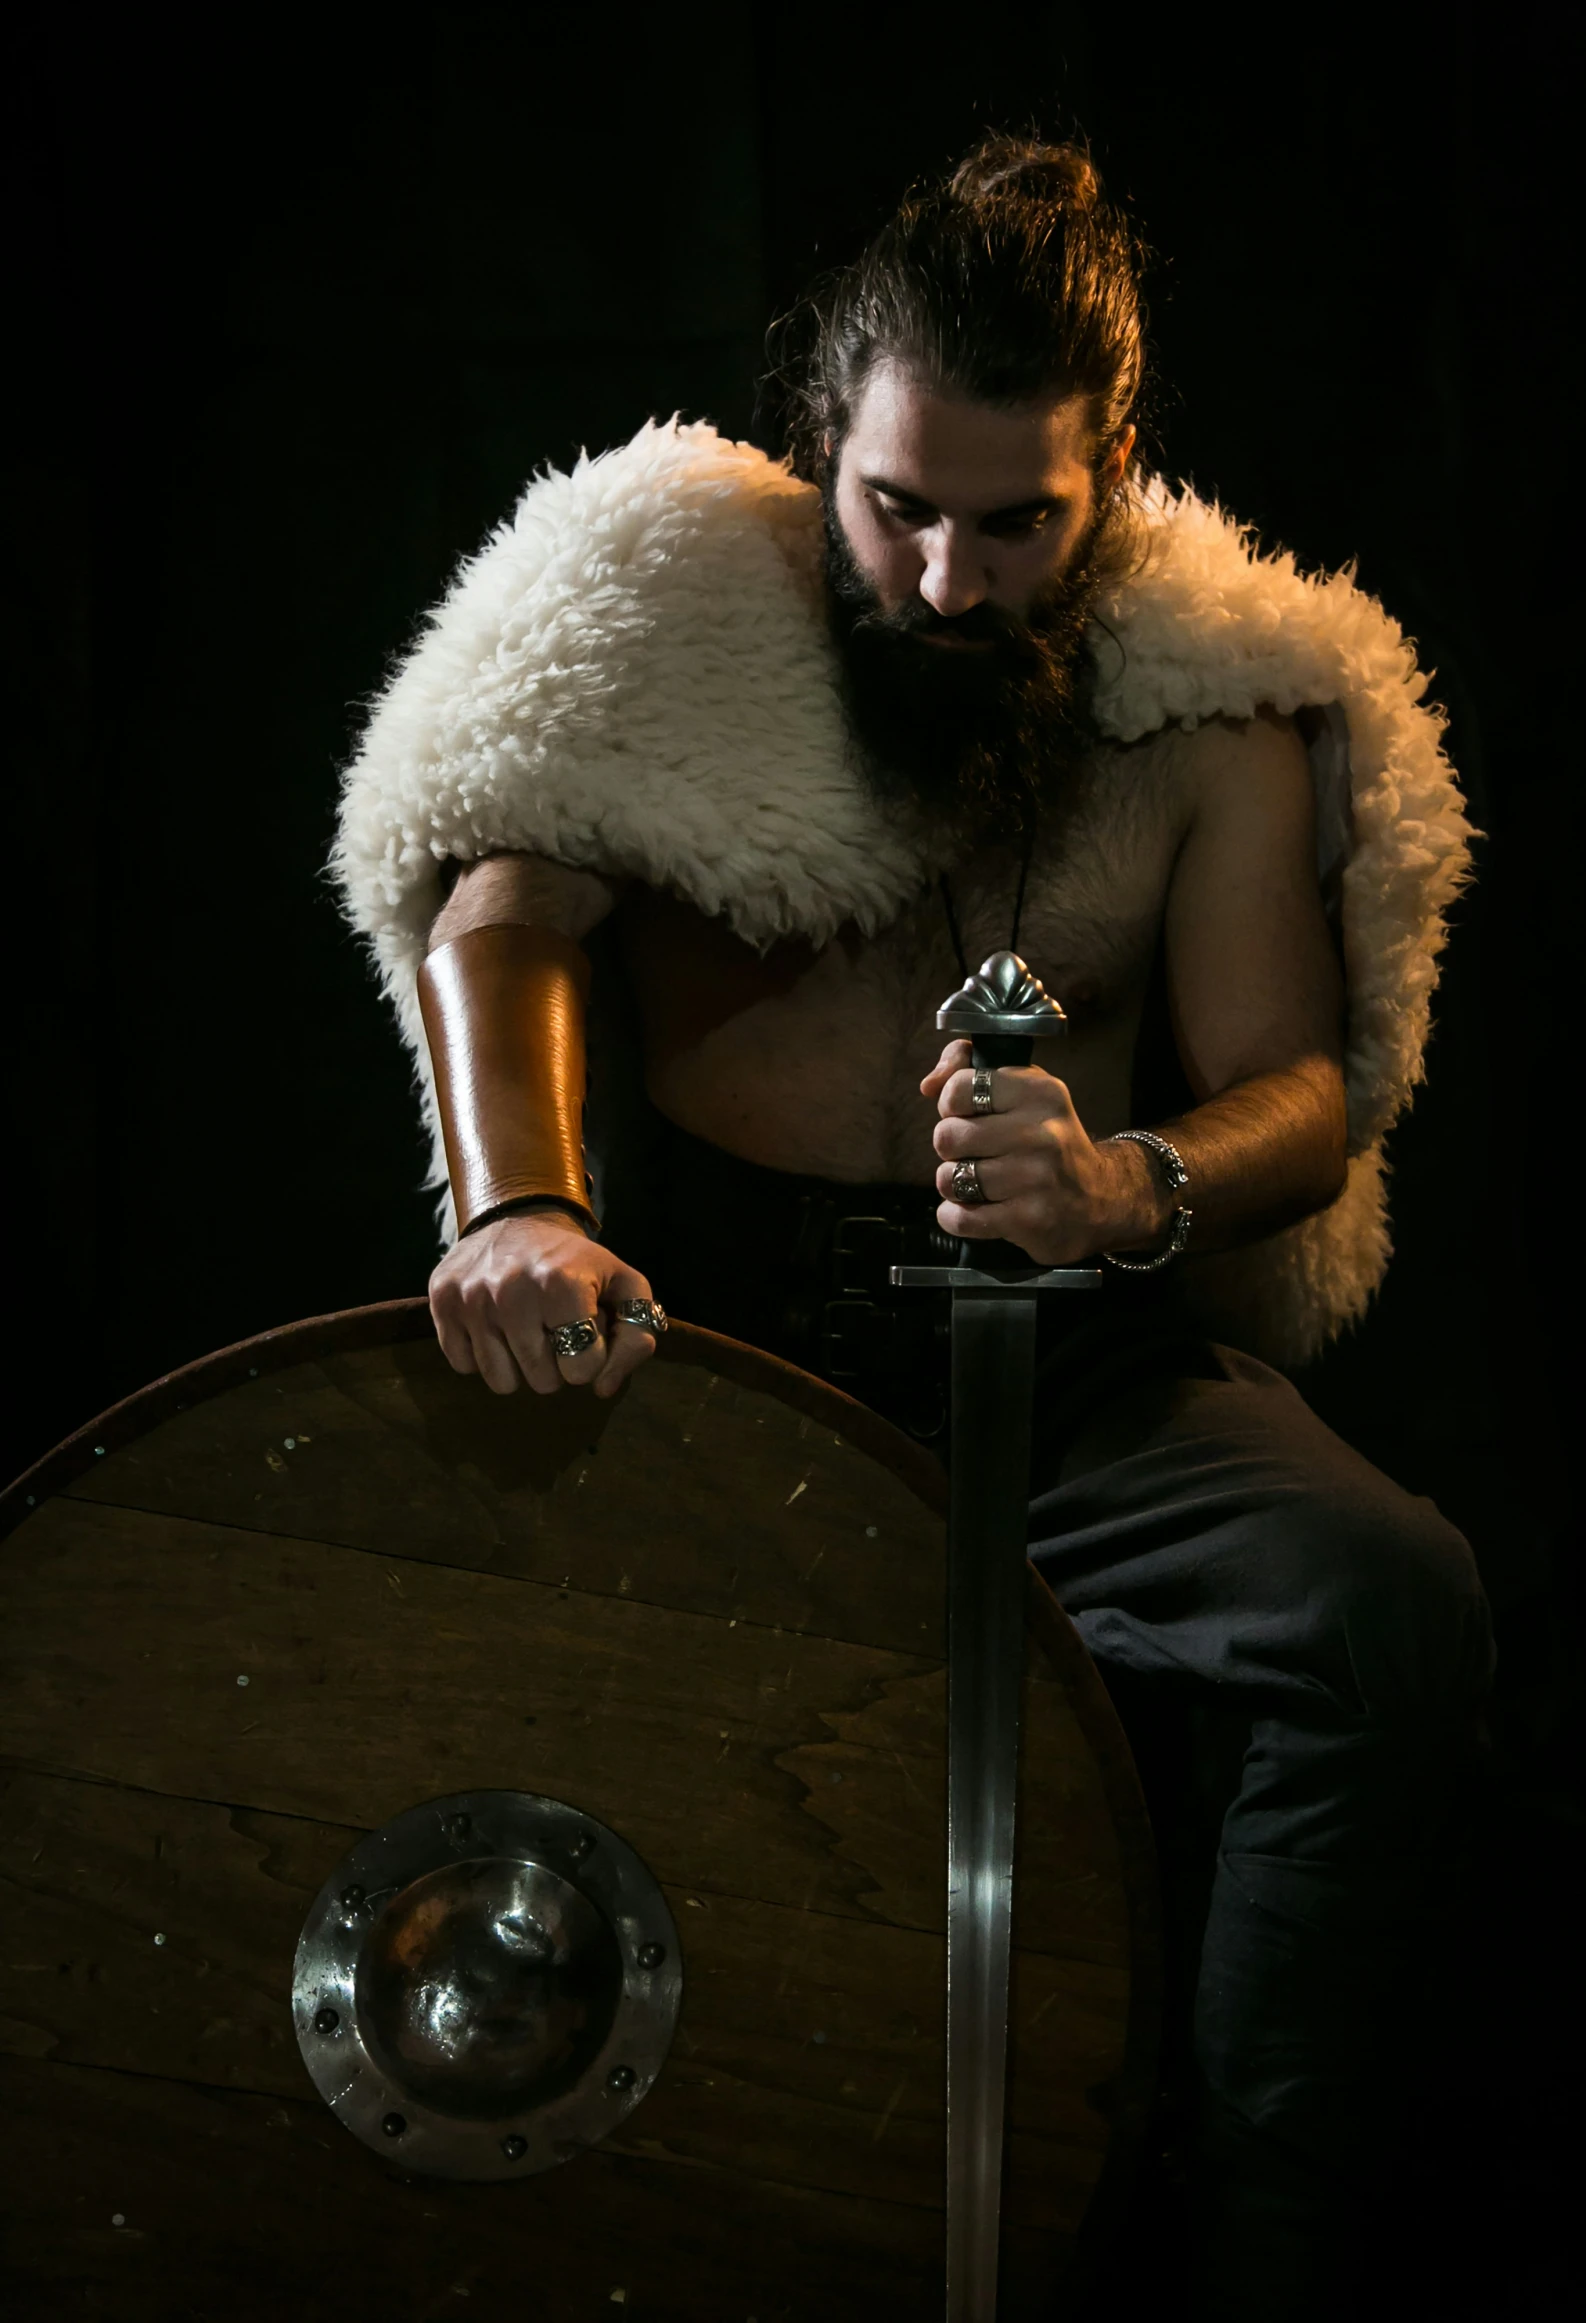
(503, 1012)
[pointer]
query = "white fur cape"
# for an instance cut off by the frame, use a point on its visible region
(634, 676)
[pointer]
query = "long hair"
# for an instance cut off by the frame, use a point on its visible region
(1011, 280)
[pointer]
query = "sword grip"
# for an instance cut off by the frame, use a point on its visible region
(989, 1050)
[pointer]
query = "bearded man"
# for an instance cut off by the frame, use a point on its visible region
(786, 748)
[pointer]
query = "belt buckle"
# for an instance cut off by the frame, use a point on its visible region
(842, 1354)
(864, 1250)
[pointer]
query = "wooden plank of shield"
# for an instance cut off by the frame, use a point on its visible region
(318, 1579)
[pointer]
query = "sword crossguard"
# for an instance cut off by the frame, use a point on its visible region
(979, 1278)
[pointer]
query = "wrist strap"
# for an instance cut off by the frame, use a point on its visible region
(1171, 1163)
(527, 1206)
(503, 1011)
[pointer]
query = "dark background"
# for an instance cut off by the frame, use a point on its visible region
(302, 303)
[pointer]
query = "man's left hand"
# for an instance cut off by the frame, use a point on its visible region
(1049, 1190)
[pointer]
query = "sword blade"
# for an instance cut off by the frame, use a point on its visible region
(993, 1374)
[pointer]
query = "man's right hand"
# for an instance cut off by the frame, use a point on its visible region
(496, 1293)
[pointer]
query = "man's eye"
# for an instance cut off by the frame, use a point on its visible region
(902, 511)
(1017, 527)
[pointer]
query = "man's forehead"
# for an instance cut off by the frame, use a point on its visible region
(960, 455)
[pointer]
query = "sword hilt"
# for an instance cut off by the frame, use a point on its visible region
(1002, 1012)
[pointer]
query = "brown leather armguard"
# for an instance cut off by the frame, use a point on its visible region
(503, 1013)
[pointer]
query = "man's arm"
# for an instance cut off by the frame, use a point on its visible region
(1256, 1000)
(1254, 989)
(522, 891)
(500, 1288)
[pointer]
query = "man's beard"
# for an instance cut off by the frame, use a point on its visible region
(984, 736)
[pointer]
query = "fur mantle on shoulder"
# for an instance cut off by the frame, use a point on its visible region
(634, 676)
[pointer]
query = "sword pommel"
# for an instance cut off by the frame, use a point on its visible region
(1006, 997)
(1005, 1004)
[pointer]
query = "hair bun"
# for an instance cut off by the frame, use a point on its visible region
(1059, 174)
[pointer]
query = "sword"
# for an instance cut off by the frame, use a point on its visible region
(1003, 1011)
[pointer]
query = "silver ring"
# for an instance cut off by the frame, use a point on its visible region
(965, 1185)
(644, 1314)
(574, 1338)
(980, 1090)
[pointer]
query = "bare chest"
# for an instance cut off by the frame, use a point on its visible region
(811, 1061)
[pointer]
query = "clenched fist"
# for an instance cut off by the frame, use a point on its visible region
(1048, 1188)
(496, 1293)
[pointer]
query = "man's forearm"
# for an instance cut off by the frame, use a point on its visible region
(1260, 1155)
(502, 994)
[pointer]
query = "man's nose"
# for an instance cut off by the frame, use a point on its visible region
(955, 576)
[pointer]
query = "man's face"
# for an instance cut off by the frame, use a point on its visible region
(952, 504)
(961, 544)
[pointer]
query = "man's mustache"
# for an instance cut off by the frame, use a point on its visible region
(983, 624)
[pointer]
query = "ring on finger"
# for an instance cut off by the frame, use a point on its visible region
(574, 1338)
(965, 1186)
(644, 1314)
(980, 1090)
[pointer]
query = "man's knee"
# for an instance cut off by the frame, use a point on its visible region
(1402, 1587)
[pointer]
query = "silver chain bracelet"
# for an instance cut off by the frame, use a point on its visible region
(1177, 1177)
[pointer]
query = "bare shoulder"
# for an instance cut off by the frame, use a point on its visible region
(1131, 789)
(1228, 764)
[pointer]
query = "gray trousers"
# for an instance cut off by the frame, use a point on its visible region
(1301, 1651)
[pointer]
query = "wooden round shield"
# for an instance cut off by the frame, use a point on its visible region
(314, 1581)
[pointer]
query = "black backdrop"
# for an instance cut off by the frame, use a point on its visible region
(304, 301)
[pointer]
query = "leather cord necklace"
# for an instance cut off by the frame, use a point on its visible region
(949, 908)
